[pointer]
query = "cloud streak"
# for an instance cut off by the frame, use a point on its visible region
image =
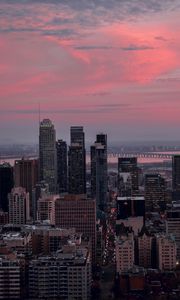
(101, 63)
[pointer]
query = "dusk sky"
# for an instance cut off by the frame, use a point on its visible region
(109, 65)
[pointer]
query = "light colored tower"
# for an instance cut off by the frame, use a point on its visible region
(18, 206)
(47, 154)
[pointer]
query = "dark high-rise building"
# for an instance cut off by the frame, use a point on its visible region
(131, 212)
(47, 154)
(130, 207)
(128, 179)
(61, 148)
(26, 173)
(99, 183)
(26, 176)
(176, 177)
(76, 183)
(155, 191)
(77, 135)
(6, 184)
(102, 139)
(77, 162)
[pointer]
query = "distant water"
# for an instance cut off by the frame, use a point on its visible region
(111, 160)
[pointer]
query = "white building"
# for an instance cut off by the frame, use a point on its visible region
(166, 252)
(18, 206)
(124, 253)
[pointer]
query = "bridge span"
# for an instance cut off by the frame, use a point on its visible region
(141, 155)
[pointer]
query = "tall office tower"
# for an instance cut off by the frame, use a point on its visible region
(47, 154)
(77, 135)
(18, 206)
(77, 162)
(176, 177)
(78, 212)
(128, 176)
(155, 192)
(6, 184)
(99, 182)
(61, 148)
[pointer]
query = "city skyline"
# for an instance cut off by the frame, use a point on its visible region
(109, 66)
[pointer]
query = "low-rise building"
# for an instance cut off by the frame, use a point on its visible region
(166, 252)
(64, 275)
(124, 252)
(10, 279)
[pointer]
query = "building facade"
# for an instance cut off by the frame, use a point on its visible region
(124, 247)
(19, 210)
(99, 176)
(155, 192)
(176, 177)
(173, 226)
(76, 211)
(47, 154)
(166, 252)
(128, 185)
(61, 148)
(65, 275)
(46, 208)
(77, 161)
(6, 184)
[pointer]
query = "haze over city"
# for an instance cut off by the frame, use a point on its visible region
(110, 66)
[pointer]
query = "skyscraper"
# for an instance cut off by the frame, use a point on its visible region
(127, 176)
(6, 184)
(176, 177)
(99, 184)
(47, 154)
(61, 148)
(77, 135)
(77, 162)
(155, 191)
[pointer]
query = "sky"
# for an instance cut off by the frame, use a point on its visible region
(112, 66)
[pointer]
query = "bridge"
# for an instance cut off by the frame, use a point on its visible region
(141, 155)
